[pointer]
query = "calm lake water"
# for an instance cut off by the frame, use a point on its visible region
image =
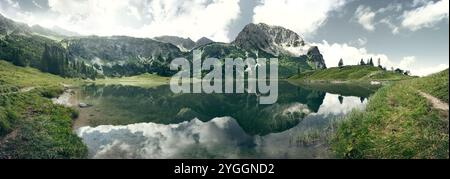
(134, 122)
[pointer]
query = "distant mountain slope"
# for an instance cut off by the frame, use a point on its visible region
(56, 33)
(272, 39)
(32, 46)
(121, 55)
(287, 65)
(184, 44)
(119, 48)
(278, 41)
(64, 32)
(8, 26)
(203, 41)
(45, 32)
(125, 56)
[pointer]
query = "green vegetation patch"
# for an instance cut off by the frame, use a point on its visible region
(351, 73)
(435, 85)
(29, 77)
(31, 126)
(397, 123)
(144, 80)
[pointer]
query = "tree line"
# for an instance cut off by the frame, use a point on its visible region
(370, 62)
(55, 60)
(44, 55)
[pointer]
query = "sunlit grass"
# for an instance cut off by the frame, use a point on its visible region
(144, 80)
(436, 85)
(30, 77)
(31, 126)
(351, 73)
(397, 123)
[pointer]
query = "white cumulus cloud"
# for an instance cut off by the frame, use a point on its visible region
(141, 18)
(365, 17)
(303, 17)
(426, 16)
(394, 28)
(407, 62)
(424, 71)
(411, 63)
(194, 19)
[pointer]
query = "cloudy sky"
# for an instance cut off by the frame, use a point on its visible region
(410, 34)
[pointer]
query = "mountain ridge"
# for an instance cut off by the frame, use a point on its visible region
(8, 26)
(123, 55)
(184, 44)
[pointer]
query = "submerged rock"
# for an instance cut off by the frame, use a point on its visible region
(375, 83)
(84, 105)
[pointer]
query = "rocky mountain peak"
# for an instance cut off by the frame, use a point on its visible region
(272, 39)
(203, 41)
(277, 40)
(184, 44)
(316, 57)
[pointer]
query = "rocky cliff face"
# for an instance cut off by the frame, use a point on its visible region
(316, 57)
(272, 39)
(120, 55)
(203, 41)
(119, 48)
(276, 41)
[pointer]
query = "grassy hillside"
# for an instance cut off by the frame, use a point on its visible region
(30, 77)
(31, 126)
(350, 73)
(398, 123)
(436, 85)
(144, 80)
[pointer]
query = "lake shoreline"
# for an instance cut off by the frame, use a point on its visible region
(70, 98)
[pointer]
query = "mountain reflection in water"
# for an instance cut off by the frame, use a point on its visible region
(133, 122)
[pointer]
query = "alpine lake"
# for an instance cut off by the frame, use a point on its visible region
(153, 122)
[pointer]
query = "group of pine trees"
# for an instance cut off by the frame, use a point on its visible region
(13, 54)
(362, 62)
(157, 65)
(18, 58)
(55, 60)
(371, 63)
